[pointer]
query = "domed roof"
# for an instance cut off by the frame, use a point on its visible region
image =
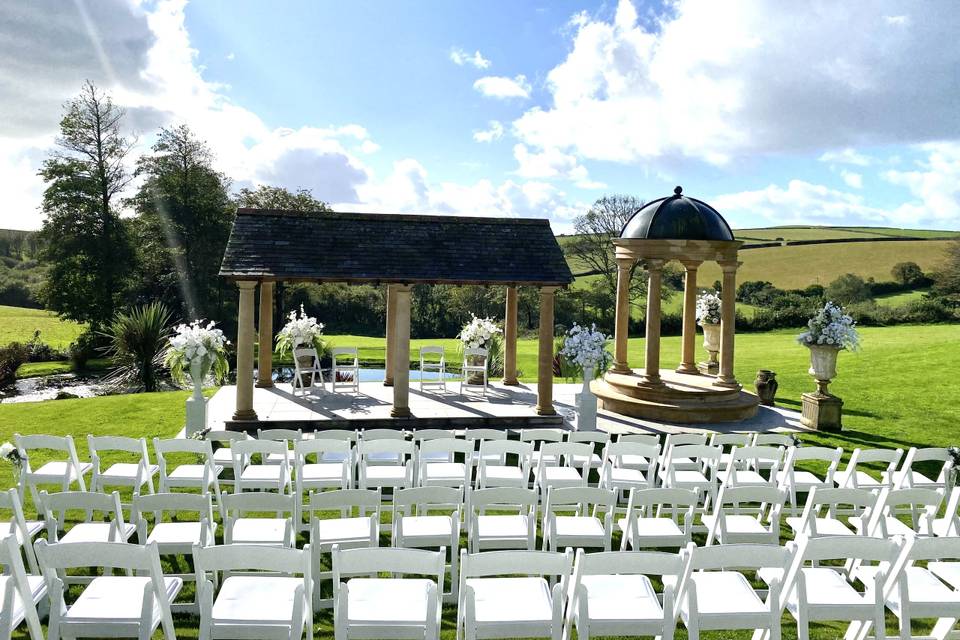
(677, 217)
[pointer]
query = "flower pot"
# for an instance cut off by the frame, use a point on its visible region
(766, 384)
(823, 362)
(586, 404)
(711, 342)
(196, 403)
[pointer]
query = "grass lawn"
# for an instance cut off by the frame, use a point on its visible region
(900, 299)
(18, 324)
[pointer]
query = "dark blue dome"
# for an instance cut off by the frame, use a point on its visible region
(677, 218)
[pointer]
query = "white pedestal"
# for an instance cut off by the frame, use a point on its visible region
(196, 404)
(587, 404)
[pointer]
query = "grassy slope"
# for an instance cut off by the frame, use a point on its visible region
(19, 324)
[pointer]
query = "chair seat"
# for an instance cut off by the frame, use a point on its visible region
(633, 461)
(445, 471)
(653, 527)
(827, 587)
(278, 458)
(502, 527)
(624, 475)
(321, 471)
(894, 526)
(579, 527)
(506, 600)
(944, 527)
(256, 600)
(33, 528)
(498, 473)
(386, 473)
(262, 473)
(801, 479)
(55, 471)
(621, 597)
(863, 479)
(223, 456)
(553, 475)
(949, 572)
(923, 587)
(748, 477)
(167, 534)
(594, 461)
(737, 524)
(825, 526)
(342, 530)
(726, 593)
(916, 479)
(191, 473)
(387, 601)
(266, 531)
(38, 590)
(127, 471)
(427, 527)
(117, 599)
(97, 532)
(690, 477)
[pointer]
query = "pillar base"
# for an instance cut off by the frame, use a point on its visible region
(621, 367)
(726, 383)
(512, 382)
(822, 412)
(400, 412)
(266, 384)
(650, 382)
(245, 414)
(546, 411)
(388, 383)
(688, 367)
(709, 368)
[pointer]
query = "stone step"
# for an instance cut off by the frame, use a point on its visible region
(731, 408)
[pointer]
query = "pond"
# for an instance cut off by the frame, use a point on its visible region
(285, 374)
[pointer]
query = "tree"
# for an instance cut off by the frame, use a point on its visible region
(269, 197)
(83, 240)
(947, 277)
(848, 289)
(907, 273)
(183, 221)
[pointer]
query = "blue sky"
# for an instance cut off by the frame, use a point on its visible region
(808, 113)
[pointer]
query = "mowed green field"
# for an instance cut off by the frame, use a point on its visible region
(19, 324)
(794, 233)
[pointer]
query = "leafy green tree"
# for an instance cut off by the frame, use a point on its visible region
(947, 277)
(183, 221)
(907, 273)
(848, 289)
(137, 341)
(83, 241)
(270, 197)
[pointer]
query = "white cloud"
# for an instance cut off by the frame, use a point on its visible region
(935, 186)
(231, 56)
(494, 131)
(800, 202)
(852, 179)
(846, 156)
(460, 57)
(369, 146)
(503, 87)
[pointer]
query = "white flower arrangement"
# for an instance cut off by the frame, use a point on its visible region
(10, 454)
(300, 330)
(831, 327)
(195, 341)
(586, 348)
(477, 333)
(708, 308)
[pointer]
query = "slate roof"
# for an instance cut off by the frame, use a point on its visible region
(398, 248)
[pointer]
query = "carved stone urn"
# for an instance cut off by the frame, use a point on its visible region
(766, 385)
(711, 342)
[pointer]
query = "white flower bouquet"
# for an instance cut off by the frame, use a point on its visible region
(193, 342)
(478, 332)
(10, 454)
(300, 330)
(708, 308)
(831, 327)
(586, 348)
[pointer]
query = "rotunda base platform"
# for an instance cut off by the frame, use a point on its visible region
(681, 398)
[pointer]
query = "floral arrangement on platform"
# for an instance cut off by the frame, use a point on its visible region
(586, 348)
(708, 308)
(831, 327)
(300, 329)
(193, 342)
(478, 333)
(954, 453)
(10, 454)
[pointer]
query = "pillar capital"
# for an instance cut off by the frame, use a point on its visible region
(729, 266)
(548, 290)
(246, 285)
(625, 263)
(691, 265)
(654, 264)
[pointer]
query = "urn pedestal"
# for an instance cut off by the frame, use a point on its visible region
(586, 404)
(821, 409)
(711, 342)
(196, 403)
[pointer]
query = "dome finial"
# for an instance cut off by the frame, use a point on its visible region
(677, 190)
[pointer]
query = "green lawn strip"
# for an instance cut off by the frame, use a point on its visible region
(18, 324)
(36, 369)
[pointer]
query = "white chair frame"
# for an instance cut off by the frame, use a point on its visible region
(396, 476)
(204, 476)
(62, 473)
(437, 464)
(578, 517)
(466, 369)
(320, 475)
(514, 526)
(20, 594)
(438, 367)
(263, 476)
(854, 478)
(258, 531)
(492, 458)
(121, 474)
(417, 525)
(312, 371)
(907, 478)
(23, 530)
(825, 507)
(797, 481)
(746, 515)
(648, 511)
(351, 367)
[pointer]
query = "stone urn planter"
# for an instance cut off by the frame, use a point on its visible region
(586, 404)
(821, 409)
(711, 342)
(766, 385)
(823, 363)
(196, 403)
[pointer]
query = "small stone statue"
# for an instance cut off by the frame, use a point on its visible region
(766, 384)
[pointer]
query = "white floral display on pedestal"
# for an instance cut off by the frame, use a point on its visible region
(587, 350)
(195, 351)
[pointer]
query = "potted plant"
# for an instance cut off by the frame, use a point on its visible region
(195, 352)
(829, 332)
(301, 330)
(708, 317)
(586, 349)
(478, 334)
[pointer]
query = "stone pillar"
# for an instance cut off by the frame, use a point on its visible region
(244, 409)
(545, 354)
(622, 327)
(265, 338)
(391, 321)
(688, 362)
(651, 362)
(510, 339)
(401, 352)
(728, 311)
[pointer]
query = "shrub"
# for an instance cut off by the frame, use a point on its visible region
(137, 341)
(907, 273)
(848, 289)
(40, 351)
(87, 345)
(11, 357)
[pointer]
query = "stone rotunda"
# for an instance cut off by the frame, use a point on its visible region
(692, 232)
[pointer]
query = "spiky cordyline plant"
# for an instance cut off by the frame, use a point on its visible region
(136, 345)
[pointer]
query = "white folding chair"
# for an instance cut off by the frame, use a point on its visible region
(343, 529)
(562, 472)
(110, 606)
(745, 463)
(595, 438)
(578, 517)
(248, 524)
(349, 435)
(176, 535)
(827, 512)
(136, 474)
(727, 441)
(508, 594)
(920, 505)
(704, 479)
(493, 469)
(423, 435)
(907, 477)
(658, 518)
(369, 435)
(920, 592)
(611, 594)
(437, 464)
(746, 515)
(679, 462)
(20, 594)
(539, 437)
(427, 518)
(616, 475)
(435, 368)
(23, 530)
(949, 524)
(814, 592)
(717, 595)
(221, 442)
(474, 363)
(306, 371)
(289, 436)
(322, 474)
(395, 476)
(773, 439)
(796, 480)
(641, 463)
(853, 477)
(267, 601)
(203, 475)
(512, 526)
(345, 369)
(252, 469)
(396, 607)
(102, 517)
(477, 436)
(62, 473)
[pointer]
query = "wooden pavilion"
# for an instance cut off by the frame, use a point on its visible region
(398, 251)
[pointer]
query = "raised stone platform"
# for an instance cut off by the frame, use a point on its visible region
(682, 398)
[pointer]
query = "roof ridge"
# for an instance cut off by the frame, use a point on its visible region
(406, 217)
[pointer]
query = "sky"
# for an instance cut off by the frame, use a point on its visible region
(775, 113)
